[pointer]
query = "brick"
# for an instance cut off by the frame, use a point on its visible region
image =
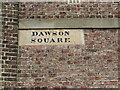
(5, 42)
(61, 58)
(14, 66)
(94, 35)
(11, 54)
(10, 70)
(11, 46)
(87, 58)
(12, 58)
(4, 58)
(13, 50)
(10, 79)
(66, 83)
(10, 62)
(15, 35)
(8, 74)
(91, 50)
(65, 50)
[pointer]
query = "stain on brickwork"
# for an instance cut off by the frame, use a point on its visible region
(72, 66)
(65, 10)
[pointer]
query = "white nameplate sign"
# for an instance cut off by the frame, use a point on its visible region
(51, 37)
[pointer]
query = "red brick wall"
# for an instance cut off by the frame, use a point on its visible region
(94, 65)
(65, 10)
(90, 66)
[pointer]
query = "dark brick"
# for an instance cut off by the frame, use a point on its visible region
(44, 88)
(3, 23)
(15, 35)
(109, 60)
(4, 66)
(8, 74)
(12, 23)
(13, 42)
(5, 42)
(11, 54)
(10, 70)
(91, 50)
(15, 20)
(110, 16)
(6, 19)
(14, 66)
(19, 71)
(11, 46)
(12, 58)
(5, 27)
(5, 57)
(2, 62)
(61, 58)
(10, 62)
(10, 79)
(5, 74)
(37, 88)
(87, 58)
(24, 75)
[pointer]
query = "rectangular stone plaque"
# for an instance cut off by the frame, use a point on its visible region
(51, 37)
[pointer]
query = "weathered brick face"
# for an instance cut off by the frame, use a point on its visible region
(72, 66)
(93, 65)
(65, 10)
(9, 44)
